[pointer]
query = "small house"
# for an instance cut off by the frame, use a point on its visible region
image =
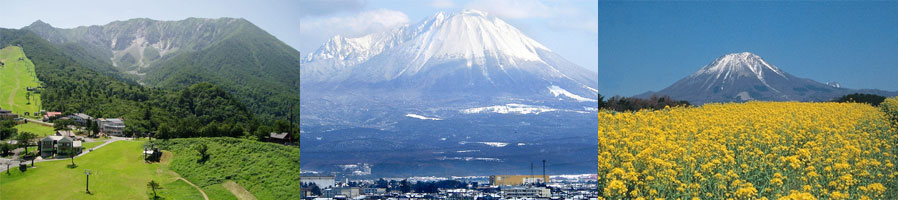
(59, 146)
(80, 118)
(282, 138)
(7, 114)
(51, 115)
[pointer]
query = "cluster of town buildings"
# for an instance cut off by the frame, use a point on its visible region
(499, 187)
(65, 142)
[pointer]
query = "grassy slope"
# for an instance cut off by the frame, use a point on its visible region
(119, 173)
(15, 76)
(267, 170)
(41, 131)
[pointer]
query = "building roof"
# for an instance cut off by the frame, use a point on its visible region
(278, 135)
(112, 120)
(50, 114)
(82, 116)
(65, 133)
(5, 111)
(66, 139)
(52, 138)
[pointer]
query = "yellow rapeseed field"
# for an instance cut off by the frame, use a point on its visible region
(755, 150)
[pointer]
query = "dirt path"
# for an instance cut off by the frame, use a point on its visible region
(197, 187)
(238, 190)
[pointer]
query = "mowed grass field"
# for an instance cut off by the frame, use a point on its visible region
(119, 172)
(15, 77)
(39, 130)
(755, 150)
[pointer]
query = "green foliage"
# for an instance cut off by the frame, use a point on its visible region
(871, 99)
(268, 171)
(627, 104)
(62, 124)
(890, 107)
(258, 69)
(7, 129)
(6, 148)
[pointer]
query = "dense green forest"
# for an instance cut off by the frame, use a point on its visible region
(267, 170)
(201, 109)
(247, 62)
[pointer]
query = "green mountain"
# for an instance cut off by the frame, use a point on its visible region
(70, 87)
(234, 54)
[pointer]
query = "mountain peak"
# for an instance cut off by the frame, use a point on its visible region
(741, 64)
(39, 23)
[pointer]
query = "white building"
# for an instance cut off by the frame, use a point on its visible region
(111, 126)
(525, 192)
(321, 181)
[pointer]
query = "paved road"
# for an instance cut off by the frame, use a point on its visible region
(15, 163)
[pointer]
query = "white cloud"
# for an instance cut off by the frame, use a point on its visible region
(362, 23)
(442, 4)
(561, 14)
(317, 30)
(512, 9)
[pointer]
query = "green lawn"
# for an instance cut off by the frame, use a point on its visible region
(40, 130)
(119, 173)
(15, 77)
(89, 145)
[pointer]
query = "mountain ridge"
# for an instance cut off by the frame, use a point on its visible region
(744, 76)
(242, 58)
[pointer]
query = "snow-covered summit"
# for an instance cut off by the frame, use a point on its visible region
(739, 64)
(470, 34)
(470, 52)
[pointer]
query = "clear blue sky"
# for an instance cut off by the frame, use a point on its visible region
(650, 45)
(568, 27)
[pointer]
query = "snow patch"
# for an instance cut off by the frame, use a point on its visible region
(510, 108)
(470, 159)
(422, 117)
(558, 91)
(495, 144)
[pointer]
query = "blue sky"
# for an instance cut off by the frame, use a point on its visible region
(650, 45)
(568, 27)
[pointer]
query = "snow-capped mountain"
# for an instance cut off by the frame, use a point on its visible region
(471, 53)
(450, 93)
(746, 76)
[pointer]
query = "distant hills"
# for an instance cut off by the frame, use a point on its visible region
(234, 54)
(740, 77)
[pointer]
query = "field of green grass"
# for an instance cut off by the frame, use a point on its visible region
(39, 130)
(88, 145)
(266, 170)
(119, 172)
(15, 77)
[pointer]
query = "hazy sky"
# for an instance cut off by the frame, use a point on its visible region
(650, 45)
(568, 27)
